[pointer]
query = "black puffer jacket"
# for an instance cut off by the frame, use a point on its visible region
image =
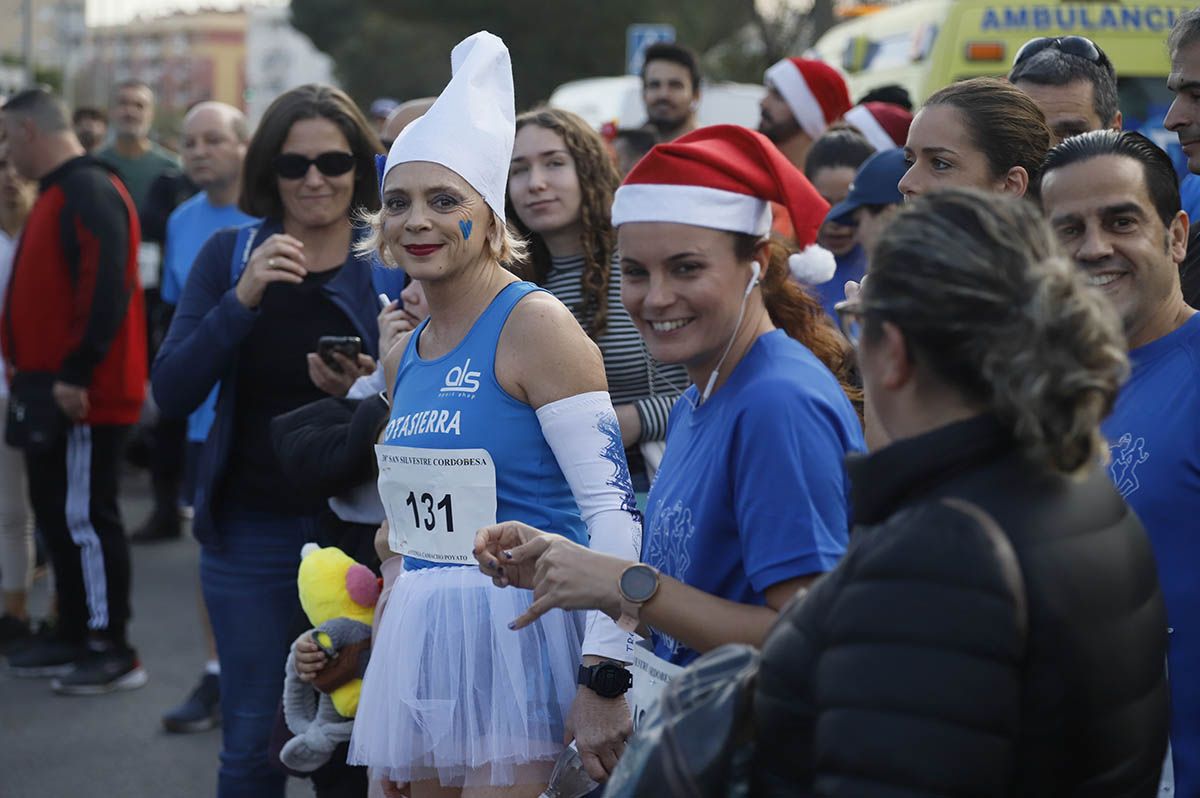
(923, 666)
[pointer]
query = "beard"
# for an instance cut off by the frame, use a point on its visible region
(665, 120)
(778, 131)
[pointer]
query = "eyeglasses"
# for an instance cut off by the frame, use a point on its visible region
(1079, 46)
(850, 320)
(293, 166)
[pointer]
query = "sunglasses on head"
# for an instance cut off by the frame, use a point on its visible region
(293, 166)
(1079, 46)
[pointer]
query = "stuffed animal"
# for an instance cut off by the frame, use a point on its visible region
(338, 596)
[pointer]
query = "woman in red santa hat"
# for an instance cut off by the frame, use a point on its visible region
(750, 504)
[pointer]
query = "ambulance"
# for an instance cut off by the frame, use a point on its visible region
(924, 45)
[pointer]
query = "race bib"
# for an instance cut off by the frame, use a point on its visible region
(651, 675)
(436, 500)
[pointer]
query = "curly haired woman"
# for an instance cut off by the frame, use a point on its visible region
(560, 194)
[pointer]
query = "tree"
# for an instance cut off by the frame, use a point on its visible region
(401, 48)
(777, 29)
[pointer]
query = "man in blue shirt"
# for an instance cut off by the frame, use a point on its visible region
(1113, 200)
(1183, 119)
(214, 144)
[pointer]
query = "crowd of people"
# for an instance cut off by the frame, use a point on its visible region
(848, 456)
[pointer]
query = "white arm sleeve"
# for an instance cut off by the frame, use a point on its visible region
(584, 435)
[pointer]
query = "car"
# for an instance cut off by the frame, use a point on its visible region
(618, 100)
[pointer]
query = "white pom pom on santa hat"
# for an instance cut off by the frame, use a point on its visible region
(725, 177)
(814, 265)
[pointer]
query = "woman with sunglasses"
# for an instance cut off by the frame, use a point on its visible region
(560, 192)
(979, 133)
(749, 506)
(996, 627)
(256, 303)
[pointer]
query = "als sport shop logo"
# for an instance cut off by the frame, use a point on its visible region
(461, 379)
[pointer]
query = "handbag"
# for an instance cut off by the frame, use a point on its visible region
(35, 422)
(696, 741)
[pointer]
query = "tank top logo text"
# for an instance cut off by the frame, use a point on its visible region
(461, 379)
(440, 422)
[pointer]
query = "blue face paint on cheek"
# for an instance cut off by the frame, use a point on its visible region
(465, 226)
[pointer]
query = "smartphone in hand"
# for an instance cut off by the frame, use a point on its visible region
(348, 345)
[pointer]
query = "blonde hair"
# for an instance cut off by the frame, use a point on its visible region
(989, 303)
(504, 246)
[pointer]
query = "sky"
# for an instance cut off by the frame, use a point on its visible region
(107, 12)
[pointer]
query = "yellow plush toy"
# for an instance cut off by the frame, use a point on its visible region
(338, 596)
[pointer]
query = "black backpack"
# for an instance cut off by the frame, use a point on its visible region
(697, 740)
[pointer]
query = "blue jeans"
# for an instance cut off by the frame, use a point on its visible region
(249, 586)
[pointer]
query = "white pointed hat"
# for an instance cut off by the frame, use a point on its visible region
(471, 127)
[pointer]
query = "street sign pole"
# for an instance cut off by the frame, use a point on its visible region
(638, 38)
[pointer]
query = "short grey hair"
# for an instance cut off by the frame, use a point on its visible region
(47, 111)
(1053, 67)
(233, 117)
(1185, 31)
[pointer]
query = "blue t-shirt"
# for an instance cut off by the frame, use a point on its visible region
(753, 490)
(851, 266)
(1154, 437)
(188, 228)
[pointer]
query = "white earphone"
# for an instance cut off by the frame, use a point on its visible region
(755, 272)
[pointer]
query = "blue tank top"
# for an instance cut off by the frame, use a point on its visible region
(456, 402)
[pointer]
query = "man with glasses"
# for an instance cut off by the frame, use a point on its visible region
(1072, 81)
(1184, 119)
(1113, 200)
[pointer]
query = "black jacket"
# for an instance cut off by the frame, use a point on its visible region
(921, 667)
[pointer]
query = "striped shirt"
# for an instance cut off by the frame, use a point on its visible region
(633, 376)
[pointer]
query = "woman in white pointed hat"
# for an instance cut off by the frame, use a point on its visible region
(499, 411)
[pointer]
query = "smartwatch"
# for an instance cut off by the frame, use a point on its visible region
(607, 680)
(638, 584)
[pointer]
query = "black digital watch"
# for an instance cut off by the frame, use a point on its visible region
(607, 680)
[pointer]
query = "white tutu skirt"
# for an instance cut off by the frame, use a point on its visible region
(452, 694)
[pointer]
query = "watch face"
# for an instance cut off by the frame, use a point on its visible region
(639, 582)
(611, 680)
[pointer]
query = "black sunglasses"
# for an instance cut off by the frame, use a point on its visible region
(293, 166)
(1079, 46)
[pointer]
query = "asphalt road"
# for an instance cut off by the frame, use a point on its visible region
(114, 746)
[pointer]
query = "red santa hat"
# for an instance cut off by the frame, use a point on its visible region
(815, 91)
(883, 124)
(725, 177)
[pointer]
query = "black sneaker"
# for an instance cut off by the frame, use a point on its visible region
(201, 710)
(14, 633)
(102, 671)
(52, 656)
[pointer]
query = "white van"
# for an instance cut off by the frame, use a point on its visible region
(619, 100)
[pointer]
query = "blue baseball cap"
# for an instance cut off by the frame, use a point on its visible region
(875, 184)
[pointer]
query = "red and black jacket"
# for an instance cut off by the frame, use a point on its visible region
(75, 304)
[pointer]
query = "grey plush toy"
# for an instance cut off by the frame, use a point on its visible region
(310, 714)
